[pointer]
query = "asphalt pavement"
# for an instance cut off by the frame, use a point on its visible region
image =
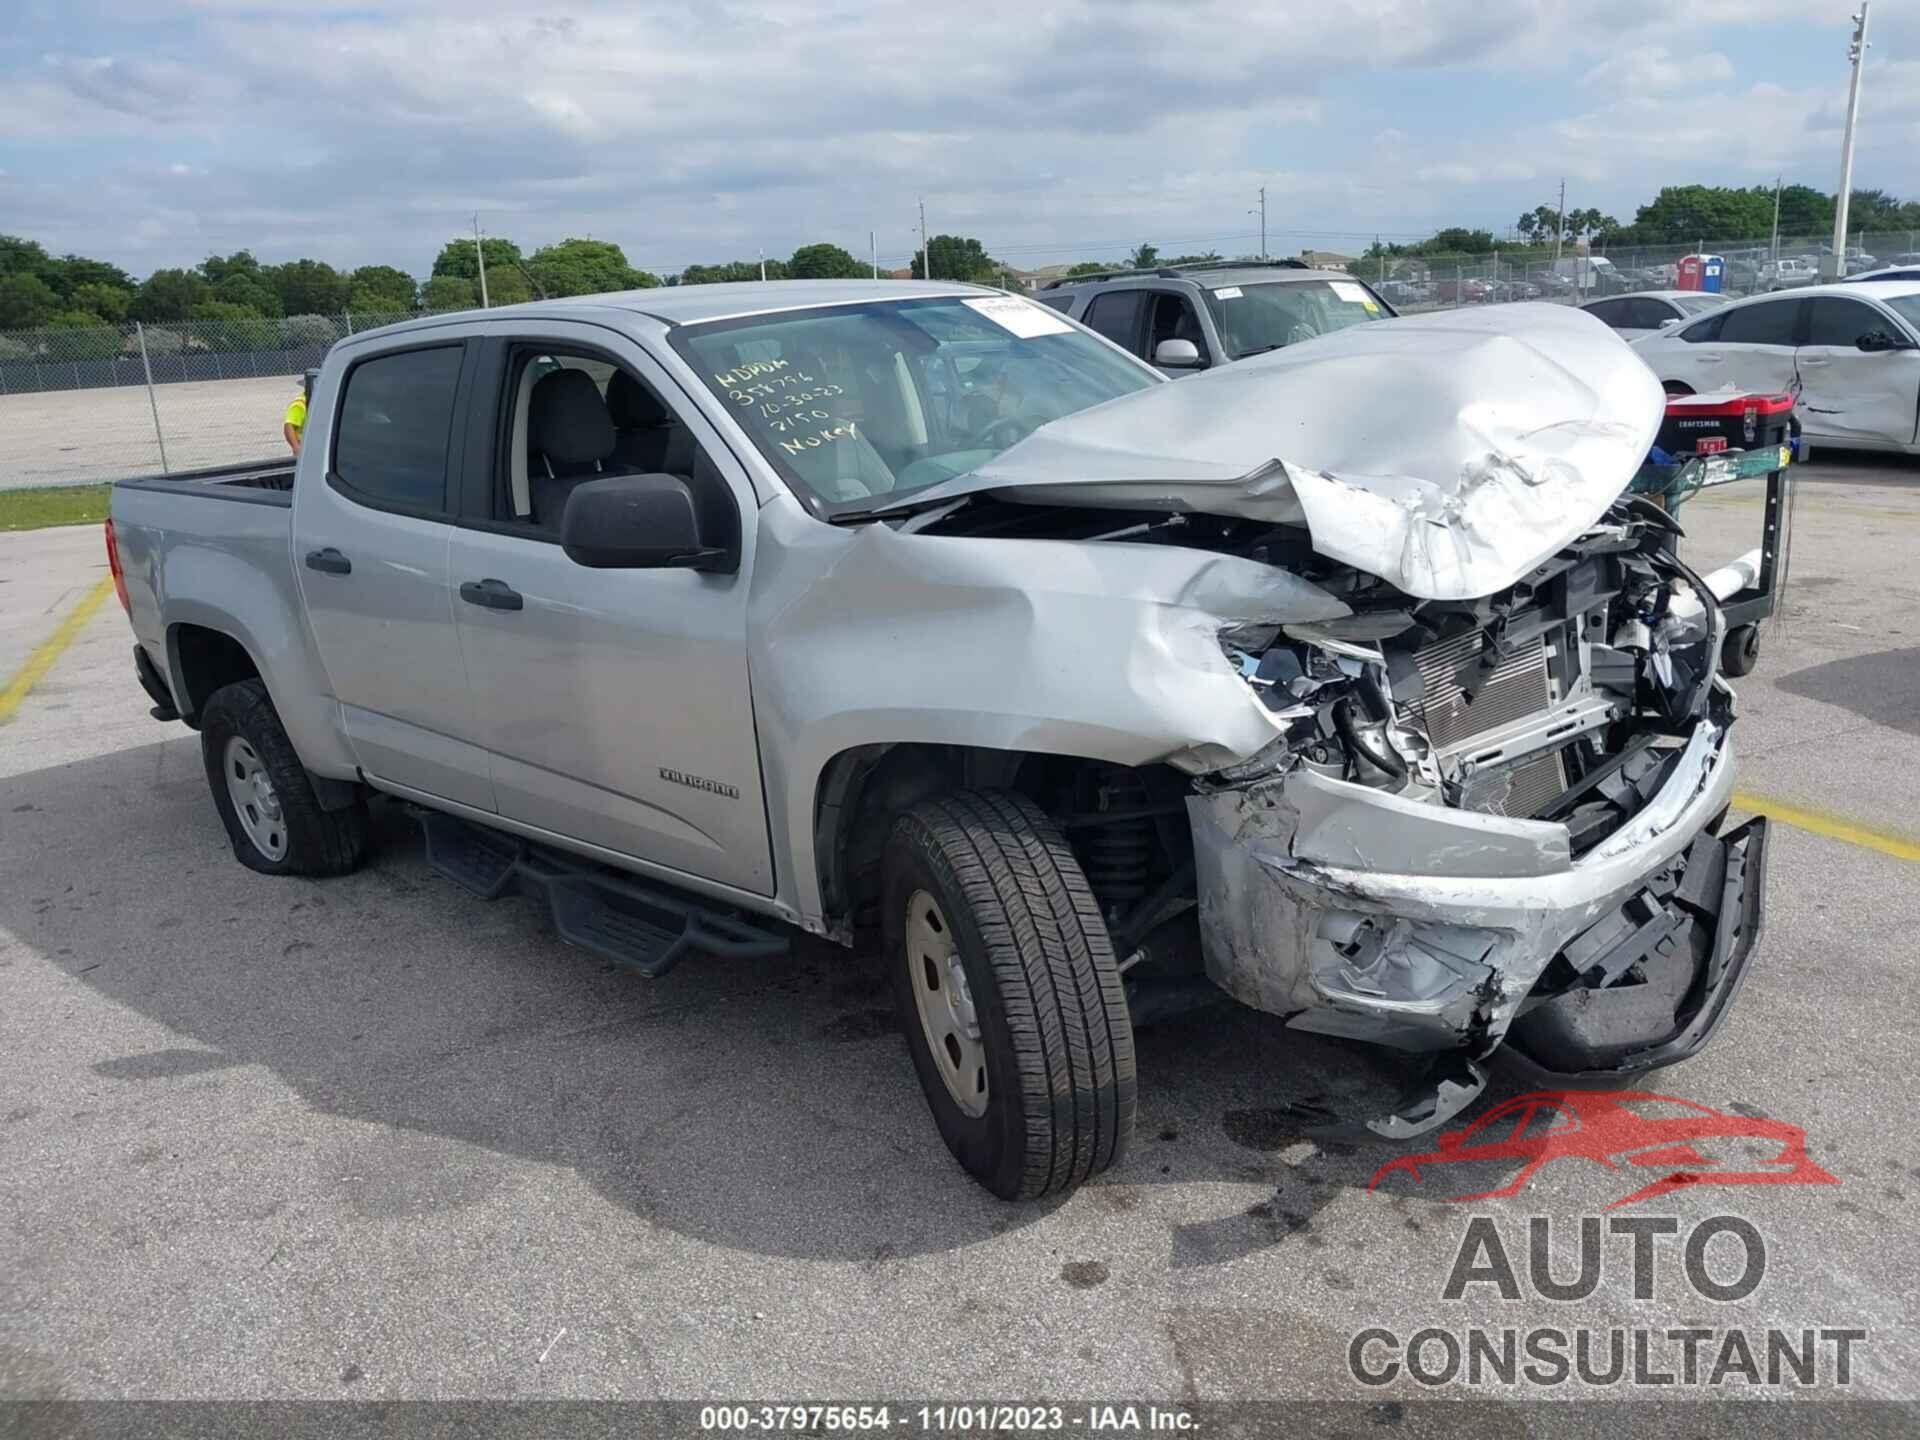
(369, 1138)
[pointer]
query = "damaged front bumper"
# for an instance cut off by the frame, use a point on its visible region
(1353, 912)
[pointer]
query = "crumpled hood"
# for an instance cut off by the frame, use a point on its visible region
(1448, 453)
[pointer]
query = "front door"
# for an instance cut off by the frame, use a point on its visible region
(1754, 350)
(1850, 394)
(615, 704)
(370, 554)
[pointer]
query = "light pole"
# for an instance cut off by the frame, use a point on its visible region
(480, 261)
(1856, 52)
(926, 259)
(1262, 213)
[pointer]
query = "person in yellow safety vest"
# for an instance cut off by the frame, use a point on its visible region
(293, 424)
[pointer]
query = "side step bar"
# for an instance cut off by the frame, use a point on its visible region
(618, 918)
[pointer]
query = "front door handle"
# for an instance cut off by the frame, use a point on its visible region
(329, 562)
(493, 594)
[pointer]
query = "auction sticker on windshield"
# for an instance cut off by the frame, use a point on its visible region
(1352, 293)
(1230, 292)
(1015, 315)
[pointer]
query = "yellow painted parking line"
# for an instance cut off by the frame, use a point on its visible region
(1834, 827)
(41, 660)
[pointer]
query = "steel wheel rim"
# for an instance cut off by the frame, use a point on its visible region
(255, 801)
(944, 1002)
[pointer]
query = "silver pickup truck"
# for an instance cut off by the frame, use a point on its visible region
(1344, 679)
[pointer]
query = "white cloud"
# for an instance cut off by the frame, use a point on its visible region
(1656, 70)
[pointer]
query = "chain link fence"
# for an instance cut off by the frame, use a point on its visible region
(82, 405)
(78, 406)
(1749, 267)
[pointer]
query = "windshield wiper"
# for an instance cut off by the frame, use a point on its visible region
(1260, 349)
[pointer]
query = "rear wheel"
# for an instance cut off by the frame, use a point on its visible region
(1007, 990)
(264, 795)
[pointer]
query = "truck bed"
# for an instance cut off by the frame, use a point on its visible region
(259, 483)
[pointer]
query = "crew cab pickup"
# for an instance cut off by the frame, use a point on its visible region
(1344, 679)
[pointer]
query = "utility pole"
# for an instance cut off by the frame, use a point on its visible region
(1773, 245)
(480, 260)
(1560, 226)
(1857, 53)
(926, 256)
(873, 245)
(761, 251)
(1262, 213)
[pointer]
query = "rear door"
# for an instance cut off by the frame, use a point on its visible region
(370, 551)
(1749, 347)
(1849, 394)
(615, 705)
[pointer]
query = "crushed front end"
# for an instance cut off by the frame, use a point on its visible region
(1491, 821)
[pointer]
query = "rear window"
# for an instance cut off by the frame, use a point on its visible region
(396, 417)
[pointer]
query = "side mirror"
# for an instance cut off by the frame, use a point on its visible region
(1880, 340)
(1671, 320)
(1177, 355)
(636, 522)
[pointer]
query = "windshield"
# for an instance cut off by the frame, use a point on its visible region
(857, 405)
(1252, 318)
(1697, 304)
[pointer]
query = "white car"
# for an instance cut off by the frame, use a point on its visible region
(1851, 355)
(1651, 311)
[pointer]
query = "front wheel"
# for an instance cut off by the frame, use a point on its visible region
(264, 795)
(1008, 993)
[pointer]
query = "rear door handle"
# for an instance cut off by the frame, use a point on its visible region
(329, 562)
(493, 594)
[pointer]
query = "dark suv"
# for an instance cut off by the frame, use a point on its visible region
(1189, 317)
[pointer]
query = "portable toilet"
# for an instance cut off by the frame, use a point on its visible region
(1701, 272)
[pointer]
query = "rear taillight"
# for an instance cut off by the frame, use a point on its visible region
(113, 564)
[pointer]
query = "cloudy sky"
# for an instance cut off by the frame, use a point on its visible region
(370, 130)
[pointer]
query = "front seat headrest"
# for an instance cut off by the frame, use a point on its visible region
(568, 419)
(633, 406)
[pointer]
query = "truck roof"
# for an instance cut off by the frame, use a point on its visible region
(692, 304)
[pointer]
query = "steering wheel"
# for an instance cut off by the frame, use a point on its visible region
(1014, 427)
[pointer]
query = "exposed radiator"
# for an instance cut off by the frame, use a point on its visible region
(1517, 687)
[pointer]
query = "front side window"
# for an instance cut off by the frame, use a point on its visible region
(1273, 313)
(1907, 307)
(396, 417)
(1841, 322)
(857, 405)
(1771, 323)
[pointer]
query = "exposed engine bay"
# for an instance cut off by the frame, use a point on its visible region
(1480, 821)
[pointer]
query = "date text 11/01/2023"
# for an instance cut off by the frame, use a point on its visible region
(943, 1419)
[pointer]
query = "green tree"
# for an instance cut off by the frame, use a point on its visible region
(1144, 257)
(1457, 240)
(72, 320)
(221, 267)
(170, 295)
(72, 273)
(25, 301)
(732, 271)
(585, 267)
(449, 292)
(308, 332)
(1683, 214)
(1803, 210)
(507, 285)
(247, 292)
(456, 257)
(1210, 258)
(1089, 267)
(21, 256)
(954, 257)
(381, 289)
(308, 287)
(223, 327)
(109, 302)
(825, 262)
